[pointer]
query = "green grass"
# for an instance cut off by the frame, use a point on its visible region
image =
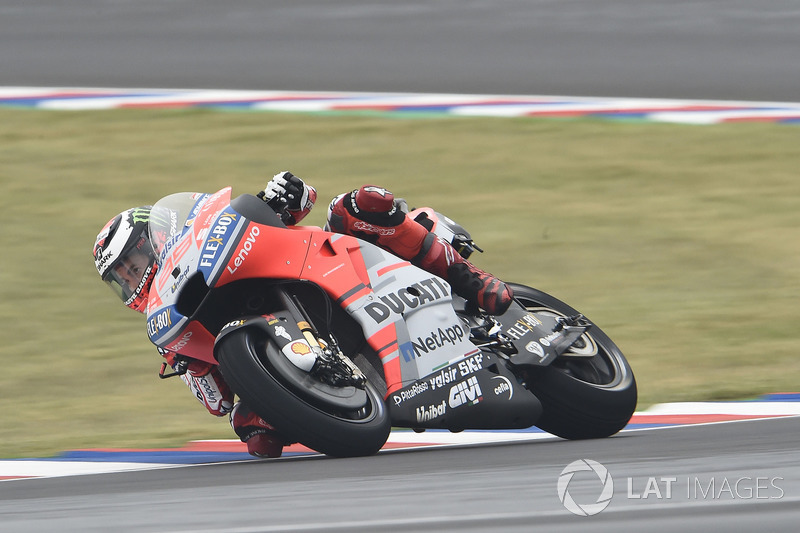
(679, 241)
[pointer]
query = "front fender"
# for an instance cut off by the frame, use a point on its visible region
(287, 356)
(279, 328)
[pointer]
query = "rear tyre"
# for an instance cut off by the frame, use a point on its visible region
(253, 368)
(589, 395)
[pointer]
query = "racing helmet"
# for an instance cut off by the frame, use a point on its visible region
(124, 257)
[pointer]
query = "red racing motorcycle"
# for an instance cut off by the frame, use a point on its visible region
(334, 340)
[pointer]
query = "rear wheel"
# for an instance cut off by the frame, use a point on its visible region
(588, 392)
(336, 421)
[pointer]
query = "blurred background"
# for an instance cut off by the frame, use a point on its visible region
(679, 241)
(715, 49)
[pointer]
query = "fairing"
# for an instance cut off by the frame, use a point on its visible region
(406, 313)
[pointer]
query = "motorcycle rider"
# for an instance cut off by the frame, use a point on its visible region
(125, 260)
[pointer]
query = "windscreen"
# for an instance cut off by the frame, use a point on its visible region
(168, 220)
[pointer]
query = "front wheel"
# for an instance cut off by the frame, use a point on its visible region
(588, 392)
(334, 426)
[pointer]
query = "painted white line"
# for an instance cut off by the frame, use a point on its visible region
(25, 469)
(465, 437)
(713, 117)
(726, 408)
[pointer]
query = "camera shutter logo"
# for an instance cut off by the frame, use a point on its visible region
(585, 465)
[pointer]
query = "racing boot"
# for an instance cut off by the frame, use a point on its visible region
(261, 438)
(471, 283)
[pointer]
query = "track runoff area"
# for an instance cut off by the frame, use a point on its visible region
(95, 461)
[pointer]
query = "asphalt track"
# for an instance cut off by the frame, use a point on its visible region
(742, 476)
(719, 49)
(709, 49)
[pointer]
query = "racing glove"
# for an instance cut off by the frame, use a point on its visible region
(289, 196)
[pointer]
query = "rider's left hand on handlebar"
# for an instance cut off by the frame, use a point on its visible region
(286, 189)
(289, 196)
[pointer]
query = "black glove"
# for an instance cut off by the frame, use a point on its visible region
(286, 190)
(289, 196)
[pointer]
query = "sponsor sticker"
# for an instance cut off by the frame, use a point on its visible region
(535, 348)
(448, 336)
(159, 321)
(424, 414)
(465, 393)
(503, 386)
(300, 347)
(415, 389)
(300, 354)
(280, 331)
(523, 326)
(411, 297)
(216, 238)
(244, 252)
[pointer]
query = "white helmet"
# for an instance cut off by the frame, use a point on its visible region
(124, 257)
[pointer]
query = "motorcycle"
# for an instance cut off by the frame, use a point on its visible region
(334, 340)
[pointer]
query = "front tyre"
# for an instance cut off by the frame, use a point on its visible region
(588, 394)
(245, 362)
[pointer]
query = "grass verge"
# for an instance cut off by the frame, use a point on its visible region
(679, 241)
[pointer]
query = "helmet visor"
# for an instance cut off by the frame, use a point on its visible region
(129, 275)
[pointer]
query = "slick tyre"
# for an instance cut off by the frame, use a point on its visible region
(253, 368)
(591, 394)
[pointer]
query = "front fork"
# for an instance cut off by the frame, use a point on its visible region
(331, 365)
